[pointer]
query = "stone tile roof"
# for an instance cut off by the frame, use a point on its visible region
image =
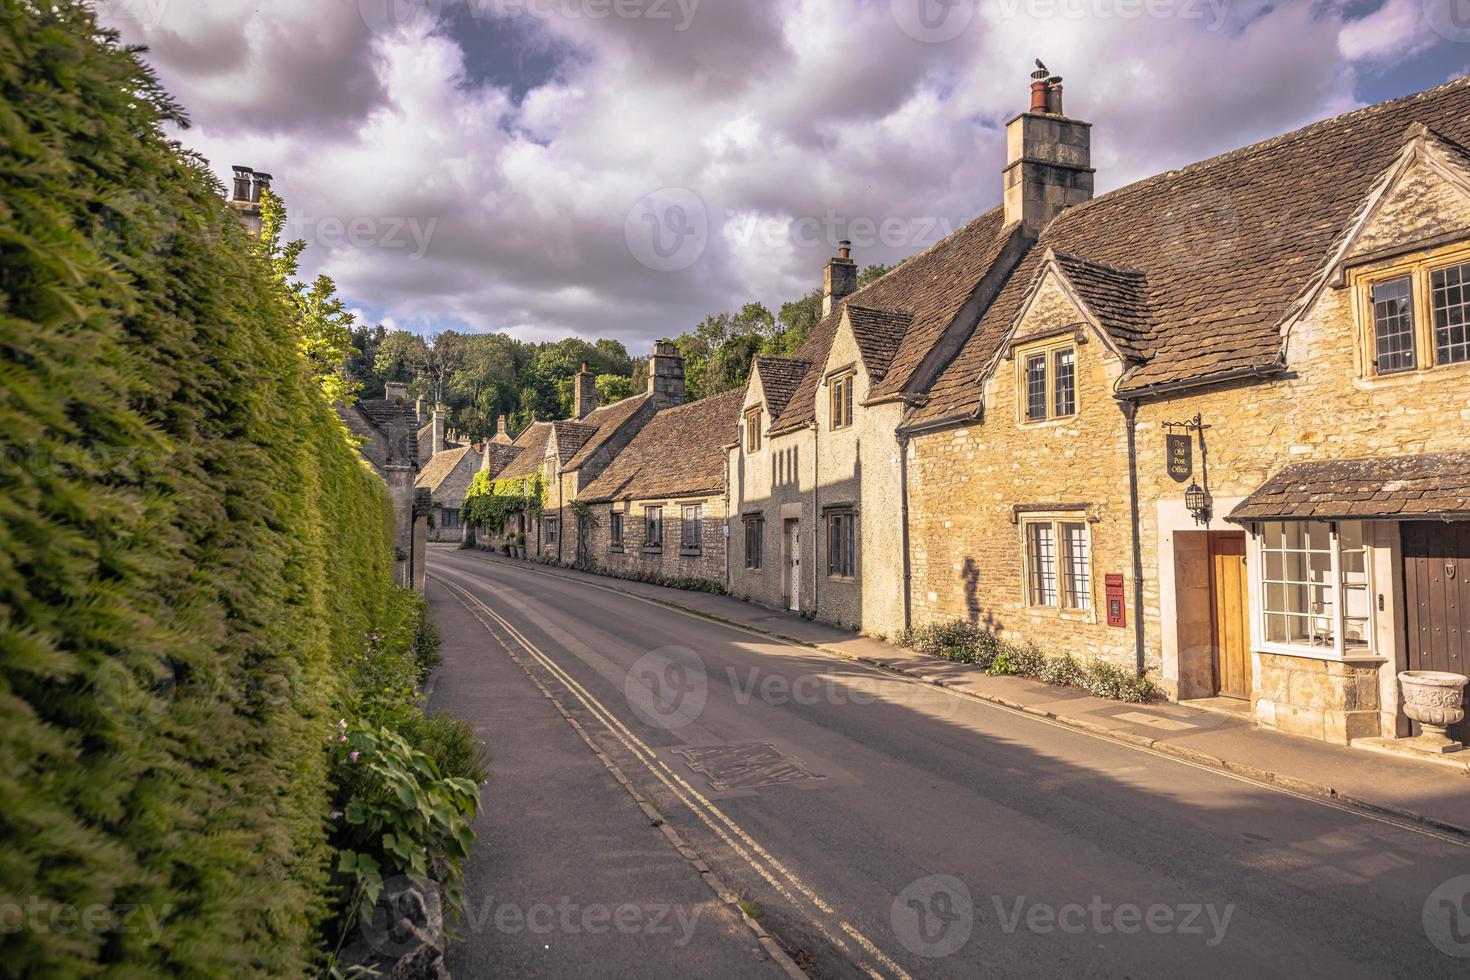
(931, 287)
(501, 456)
(438, 468)
(381, 413)
(680, 452)
(532, 446)
(1119, 299)
(878, 334)
(570, 437)
(779, 378)
(1404, 487)
(1226, 245)
(605, 421)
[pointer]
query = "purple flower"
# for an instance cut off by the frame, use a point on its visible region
(354, 756)
(335, 815)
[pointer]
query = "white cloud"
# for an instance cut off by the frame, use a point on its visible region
(792, 110)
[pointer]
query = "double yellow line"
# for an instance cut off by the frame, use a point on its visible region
(746, 847)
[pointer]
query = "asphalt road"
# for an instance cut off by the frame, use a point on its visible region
(882, 827)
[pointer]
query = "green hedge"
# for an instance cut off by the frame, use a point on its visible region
(190, 551)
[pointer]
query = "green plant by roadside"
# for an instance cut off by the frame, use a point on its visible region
(395, 810)
(964, 642)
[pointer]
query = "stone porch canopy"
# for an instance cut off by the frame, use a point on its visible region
(1420, 487)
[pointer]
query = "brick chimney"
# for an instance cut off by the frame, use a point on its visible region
(839, 279)
(1048, 157)
(436, 443)
(262, 184)
(584, 394)
(666, 375)
(501, 436)
(395, 391)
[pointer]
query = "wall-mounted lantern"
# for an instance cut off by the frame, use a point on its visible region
(1197, 500)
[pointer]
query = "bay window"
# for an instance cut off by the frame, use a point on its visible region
(1315, 587)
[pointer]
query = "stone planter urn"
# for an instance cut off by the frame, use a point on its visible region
(1436, 700)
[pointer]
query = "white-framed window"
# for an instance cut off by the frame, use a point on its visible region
(553, 528)
(1048, 382)
(1315, 587)
(691, 526)
(1058, 563)
(653, 527)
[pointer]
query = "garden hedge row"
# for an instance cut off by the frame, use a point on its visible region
(190, 550)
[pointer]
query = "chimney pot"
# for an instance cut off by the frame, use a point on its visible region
(262, 183)
(1038, 96)
(1054, 95)
(242, 183)
(844, 249)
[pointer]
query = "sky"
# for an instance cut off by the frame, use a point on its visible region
(622, 168)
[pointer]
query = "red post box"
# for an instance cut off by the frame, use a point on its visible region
(1116, 615)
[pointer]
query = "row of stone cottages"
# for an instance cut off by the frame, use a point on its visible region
(1212, 424)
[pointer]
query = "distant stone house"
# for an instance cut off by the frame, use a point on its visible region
(659, 509)
(447, 478)
(387, 428)
(817, 474)
(579, 449)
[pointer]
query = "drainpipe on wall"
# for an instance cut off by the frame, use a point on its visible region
(816, 518)
(903, 512)
(1130, 416)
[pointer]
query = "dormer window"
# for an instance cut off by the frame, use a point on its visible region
(1416, 315)
(842, 400)
(753, 430)
(1049, 383)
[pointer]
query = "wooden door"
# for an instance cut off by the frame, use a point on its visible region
(1230, 614)
(793, 565)
(1437, 594)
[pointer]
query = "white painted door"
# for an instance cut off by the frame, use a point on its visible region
(793, 564)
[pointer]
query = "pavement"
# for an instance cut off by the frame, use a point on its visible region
(911, 819)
